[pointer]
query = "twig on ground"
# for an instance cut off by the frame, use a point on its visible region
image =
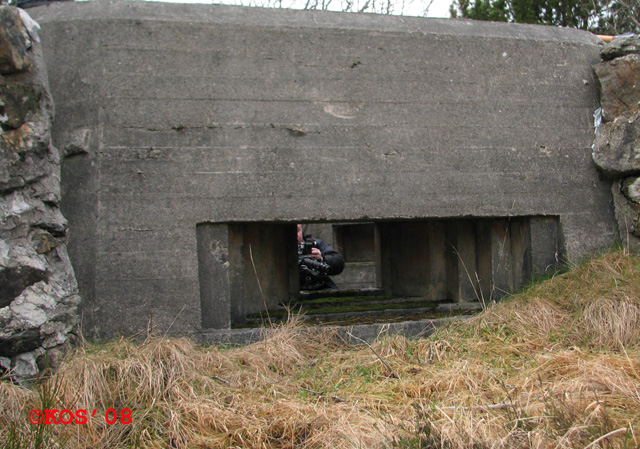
(479, 407)
(430, 359)
(319, 393)
(220, 379)
(506, 386)
(393, 373)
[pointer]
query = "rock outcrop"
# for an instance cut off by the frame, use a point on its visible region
(38, 289)
(616, 149)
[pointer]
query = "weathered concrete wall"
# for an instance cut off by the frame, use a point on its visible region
(38, 289)
(174, 116)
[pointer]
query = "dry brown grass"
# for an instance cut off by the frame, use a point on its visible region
(557, 366)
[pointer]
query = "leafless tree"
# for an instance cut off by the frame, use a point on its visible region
(396, 7)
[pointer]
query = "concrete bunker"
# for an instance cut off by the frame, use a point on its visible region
(194, 137)
(248, 269)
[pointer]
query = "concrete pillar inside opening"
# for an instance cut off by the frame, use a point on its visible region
(512, 250)
(495, 269)
(266, 252)
(412, 259)
(244, 268)
(213, 275)
(462, 268)
(520, 251)
(546, 245)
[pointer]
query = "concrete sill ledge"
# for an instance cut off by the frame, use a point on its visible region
(367, 332)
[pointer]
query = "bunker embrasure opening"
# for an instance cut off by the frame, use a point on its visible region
(393, 270)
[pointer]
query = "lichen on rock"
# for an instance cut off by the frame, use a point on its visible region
(616, 149)
(38, 289)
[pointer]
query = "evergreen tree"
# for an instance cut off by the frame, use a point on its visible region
(599, 16)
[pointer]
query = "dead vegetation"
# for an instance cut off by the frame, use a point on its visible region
(557, 366)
